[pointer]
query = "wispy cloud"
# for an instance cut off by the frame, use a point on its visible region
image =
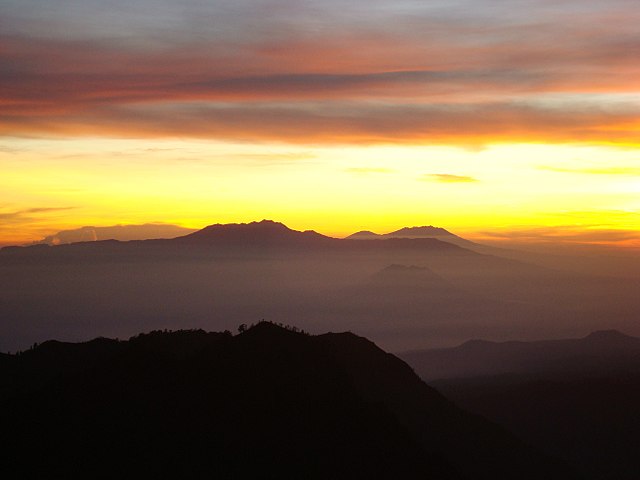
(447, 178)
(29, 215)
(368, 170)
(634, 171)
(569, 234)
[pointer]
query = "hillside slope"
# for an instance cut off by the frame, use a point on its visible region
(269, 402)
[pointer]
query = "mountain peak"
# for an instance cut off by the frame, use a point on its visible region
(363, 235)
(253, 233)
(262, 225)
(426, 230)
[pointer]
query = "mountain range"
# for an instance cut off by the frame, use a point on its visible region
(417, 232)
(597, 353)
(573, 398)
(600, 261)
(401, 292)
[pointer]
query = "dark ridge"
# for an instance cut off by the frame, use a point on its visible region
(363, 234)
(597, 353)
(270, 402)
(440, 233)
(611, 336)
(263, 232)
(424, 231)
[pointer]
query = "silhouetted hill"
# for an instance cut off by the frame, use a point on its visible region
(424, 231)
(265, 232)
(268, 403)
(444, 235)
(613, 339)
(576, 399)
(599, 352)
(363, 235)
(401, 291)
(428, 231)
(408, 299)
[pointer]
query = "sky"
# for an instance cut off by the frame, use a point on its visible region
(493, 119)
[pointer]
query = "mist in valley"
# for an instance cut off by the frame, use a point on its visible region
(402, 293)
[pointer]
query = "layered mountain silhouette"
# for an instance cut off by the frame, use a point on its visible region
(269, 403)
(572, 263)
(597, 353)
(574, 398)
(428, 231)
(260, 237)
(267, 270)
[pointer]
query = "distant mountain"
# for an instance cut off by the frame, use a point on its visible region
(416, 232)
(265, 232)
(597, 353)
(576, 399)
(268, 403)
(400, 292)
(402, 288)
(398, 301)
(260, 237)
(267, 270)
(364, 235)
(420, 232)
(116, 232)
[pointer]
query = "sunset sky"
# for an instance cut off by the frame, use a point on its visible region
(492, 119)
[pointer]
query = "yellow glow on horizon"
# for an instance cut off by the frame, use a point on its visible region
(50, 185)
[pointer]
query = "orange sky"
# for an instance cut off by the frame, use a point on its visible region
(479, 117)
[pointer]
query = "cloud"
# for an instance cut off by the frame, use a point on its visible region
(29, 215)
(265, 71)
(633, 171)
(338, 123)
(584, 234)
(447, 178)
(368, 170)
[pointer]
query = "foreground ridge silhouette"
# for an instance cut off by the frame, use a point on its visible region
(270, 402)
